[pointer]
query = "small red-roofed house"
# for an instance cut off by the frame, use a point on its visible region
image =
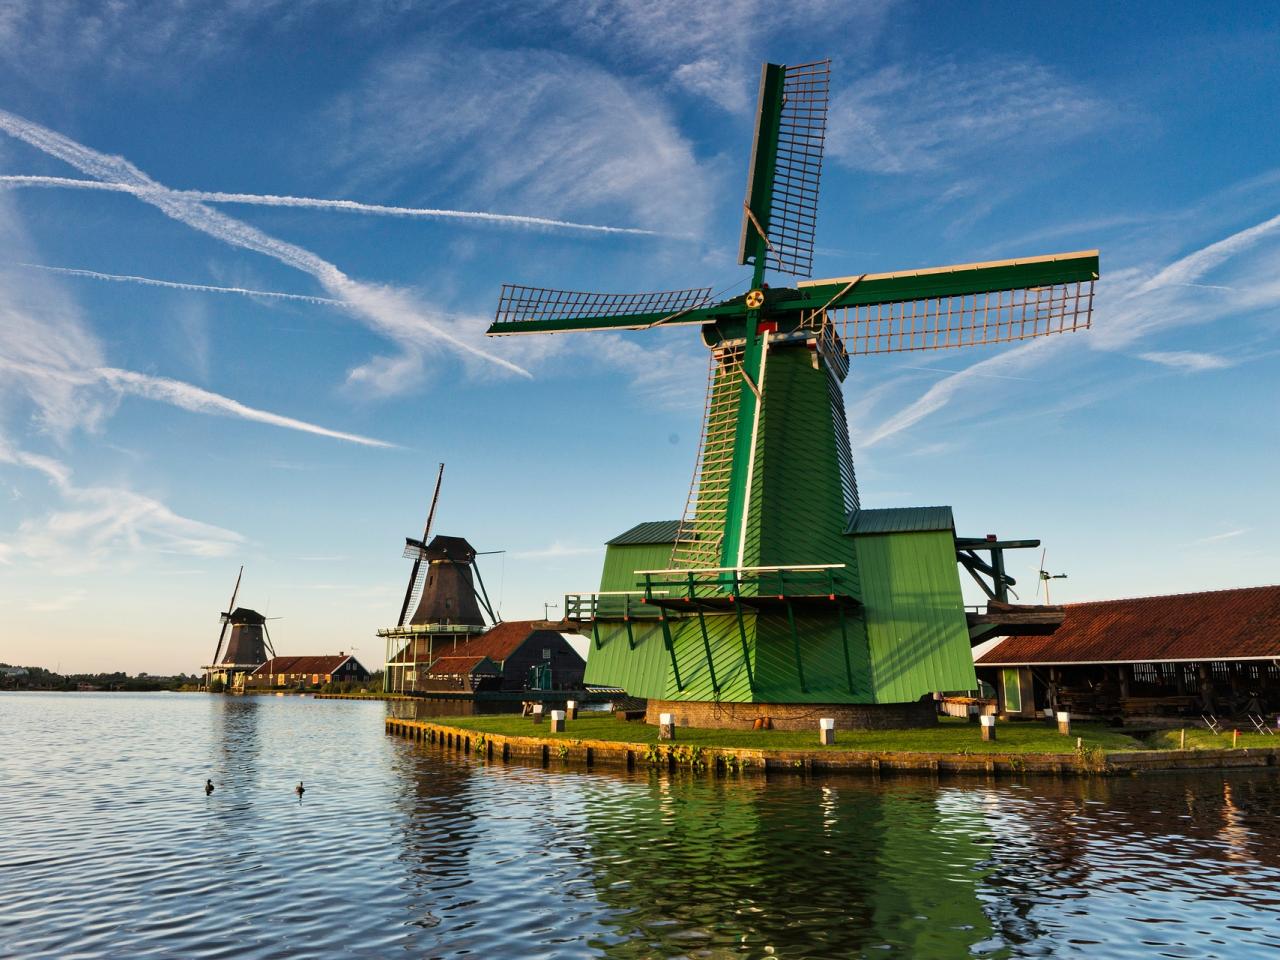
(512, 656)
(307, 671)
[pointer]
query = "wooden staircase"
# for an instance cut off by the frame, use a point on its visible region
(701, 533)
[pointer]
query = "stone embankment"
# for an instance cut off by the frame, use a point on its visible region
(738, 759)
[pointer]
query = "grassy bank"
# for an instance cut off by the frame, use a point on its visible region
(1198, 738)
(949, 736)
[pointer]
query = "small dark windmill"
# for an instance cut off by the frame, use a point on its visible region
(246, 648)
(773, 531)
(446, 596)
(1046, 576)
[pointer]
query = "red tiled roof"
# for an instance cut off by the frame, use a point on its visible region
(500, 642)
(1218, 625)
(451, 666)
(321, 664)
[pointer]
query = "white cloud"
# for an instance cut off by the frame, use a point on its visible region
(100, 524)
(941, 393)
(905, 119)
(54, 364)
(1187, 360)
(47, 40)
(1226, 535)
(555, 551)
(714, 49)
(527, 129)
(1131, 305)
(391, 312)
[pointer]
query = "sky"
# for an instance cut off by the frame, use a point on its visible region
(248, 252)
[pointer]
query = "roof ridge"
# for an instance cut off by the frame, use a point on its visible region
(1171, 596)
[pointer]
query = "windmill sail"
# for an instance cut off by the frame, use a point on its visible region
(415, 551)
(781, 208)
(541, 310)
(964, 305)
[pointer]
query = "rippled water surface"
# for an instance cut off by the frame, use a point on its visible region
(109, 847)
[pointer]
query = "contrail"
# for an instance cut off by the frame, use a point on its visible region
(177, 393)
(389, 311)
(176, 285)
(197, 400)
(316, 203)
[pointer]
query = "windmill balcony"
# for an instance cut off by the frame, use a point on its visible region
(715, 590)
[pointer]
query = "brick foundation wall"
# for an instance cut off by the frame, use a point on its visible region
(795, 716)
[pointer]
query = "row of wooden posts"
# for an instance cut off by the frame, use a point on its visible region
(988, 723)
(826, 725)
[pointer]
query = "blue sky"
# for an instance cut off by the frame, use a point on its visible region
(152, 437)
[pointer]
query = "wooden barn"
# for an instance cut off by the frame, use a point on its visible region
(310, 671)
(1215, 653)
(512, 656)
(466, 674)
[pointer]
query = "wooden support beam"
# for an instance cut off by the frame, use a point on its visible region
(671, 650)
(844, 643)
(746, 651)
(795, 639)
(706, 646)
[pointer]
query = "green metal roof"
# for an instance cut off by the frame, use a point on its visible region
(651, 531)
(900, 520)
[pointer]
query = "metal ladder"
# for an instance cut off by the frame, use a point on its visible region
(701, 531)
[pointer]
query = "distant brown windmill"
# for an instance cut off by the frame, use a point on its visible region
(442, 604)
(247, 648)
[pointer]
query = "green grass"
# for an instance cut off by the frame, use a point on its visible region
(1198, 738)
(949, 736)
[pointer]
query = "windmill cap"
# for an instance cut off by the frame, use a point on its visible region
(450, 548)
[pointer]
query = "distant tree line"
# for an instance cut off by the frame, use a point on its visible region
(14, 677)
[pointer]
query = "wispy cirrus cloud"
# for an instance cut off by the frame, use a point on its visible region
(55, 370)
(708, 49)
(1225, 535)
(527, 128)
(1190, 361)
(1132, 305)
(100, 524)
(905, 119)
(392, 312)
(555, 551)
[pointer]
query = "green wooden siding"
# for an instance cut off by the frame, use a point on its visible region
(822, 661)
(612, 661)
(798, 512)
(622, 561)
(916, 630)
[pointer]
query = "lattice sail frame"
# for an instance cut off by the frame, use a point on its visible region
(519, 303)
(793, 212)
(781, 212)
(963, 320)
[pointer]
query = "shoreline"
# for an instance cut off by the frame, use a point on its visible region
(722, 760)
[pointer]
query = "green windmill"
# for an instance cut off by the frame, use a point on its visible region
(777, 592)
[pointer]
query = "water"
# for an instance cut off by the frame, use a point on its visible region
(110, 848)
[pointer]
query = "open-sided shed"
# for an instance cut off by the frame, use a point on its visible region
(1215, 652)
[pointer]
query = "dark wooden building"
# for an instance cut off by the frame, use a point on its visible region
(309, 671)
(525, 654)
(1212, 653)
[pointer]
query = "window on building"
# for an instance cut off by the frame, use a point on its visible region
(1012, 690)
(546, 653)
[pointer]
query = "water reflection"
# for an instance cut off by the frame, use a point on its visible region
(111, 849)
(800, 869)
